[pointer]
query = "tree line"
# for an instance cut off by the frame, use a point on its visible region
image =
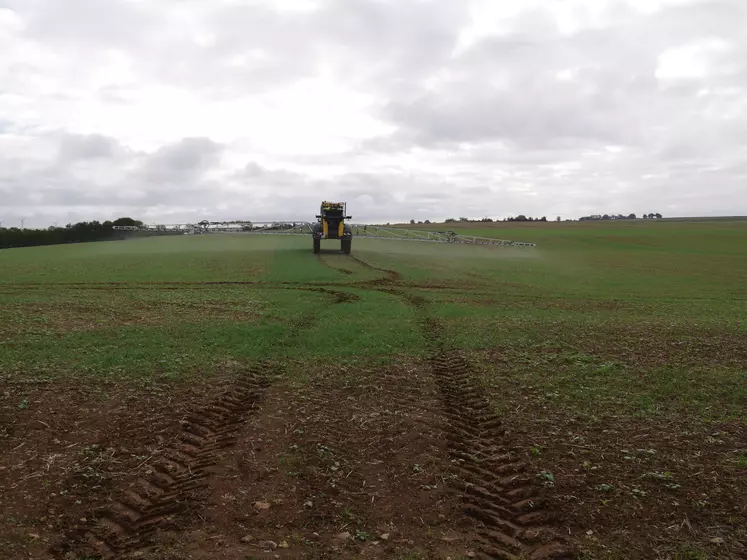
(650, 216)
(80, 232)
(519, 218)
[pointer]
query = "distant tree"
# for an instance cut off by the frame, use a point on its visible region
(412, 221)
(80, 232)
(557, 219)
(606, 217)
(659, 216)
(521, 218)
(543, 219)
(427, 221)
(463, 219)
(450, 220)
(127, 222)
(631, 217)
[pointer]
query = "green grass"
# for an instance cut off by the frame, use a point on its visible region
(659, 309)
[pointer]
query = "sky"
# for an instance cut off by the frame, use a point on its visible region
(175, 111)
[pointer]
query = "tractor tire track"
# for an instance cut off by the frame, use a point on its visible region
(390, 276)
(176, 476)
(173, 478)
(498, 489)
(339, 296)
(327, 264)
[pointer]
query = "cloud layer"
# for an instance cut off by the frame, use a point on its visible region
(227, 109)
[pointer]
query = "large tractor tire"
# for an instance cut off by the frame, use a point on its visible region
(317, 245)
(346, 244)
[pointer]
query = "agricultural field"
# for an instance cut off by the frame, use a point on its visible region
(234, 396)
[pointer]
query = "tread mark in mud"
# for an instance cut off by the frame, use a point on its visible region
(391, 275)
(338, 295)
(181, 470)
(498, 490)
(126, 524)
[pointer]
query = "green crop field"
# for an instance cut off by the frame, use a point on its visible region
(615, 354)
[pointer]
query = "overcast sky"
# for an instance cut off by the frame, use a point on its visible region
(174, 110)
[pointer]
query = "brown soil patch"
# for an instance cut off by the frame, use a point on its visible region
(669, 488)
(173, 477)
(64, 317)
(347, 464)
(350, 464)
(64, 447)
(667, 483)
(663, 345)
(655, 344)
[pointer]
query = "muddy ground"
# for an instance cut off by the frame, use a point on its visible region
(404, 462)
(378, 464)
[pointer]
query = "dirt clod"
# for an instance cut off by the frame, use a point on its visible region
(262, 505)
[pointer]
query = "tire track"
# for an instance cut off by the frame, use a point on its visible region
(327, 264)
(176, 476)
(498, 489)
(339, 296)
(390, 276)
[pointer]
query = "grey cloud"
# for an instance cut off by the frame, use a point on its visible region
(257, 175)
(517, 123)
(366, 43)
(82, 147)
(191, 156)
(171, 175)
(509, 88)
(85, 23)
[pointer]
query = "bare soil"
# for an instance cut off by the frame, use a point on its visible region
(405, 462)
(66, 446)
(371, 464)
(342, 465)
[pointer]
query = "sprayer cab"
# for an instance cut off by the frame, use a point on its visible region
(331, 225)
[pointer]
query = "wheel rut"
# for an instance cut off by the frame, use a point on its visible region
(176, 476)
(390, 276)
(498, 489)
(173, 476)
